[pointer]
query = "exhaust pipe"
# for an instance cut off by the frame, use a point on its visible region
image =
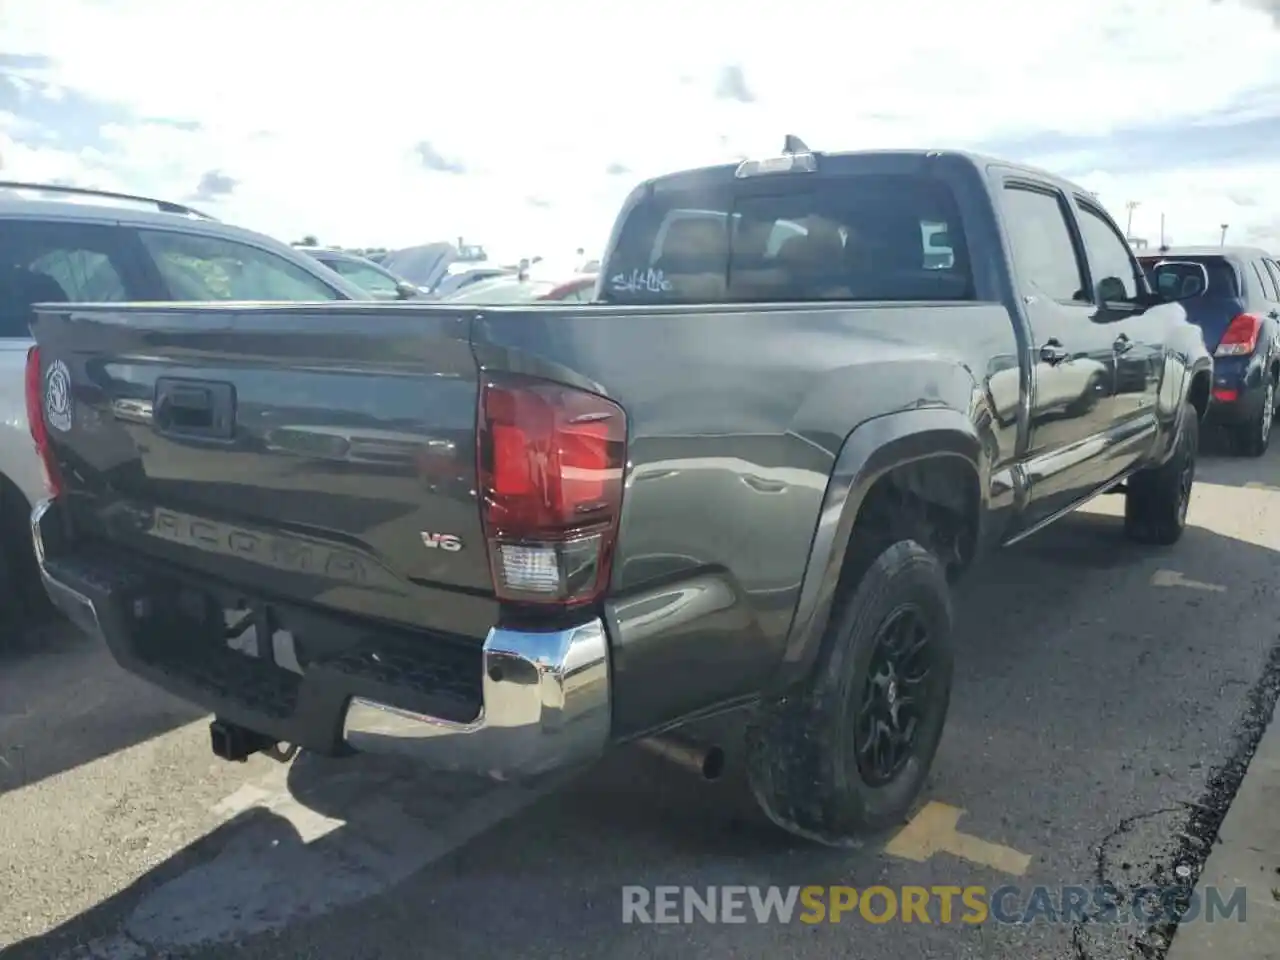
(706, 760)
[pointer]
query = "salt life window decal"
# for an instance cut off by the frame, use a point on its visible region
(640, 281)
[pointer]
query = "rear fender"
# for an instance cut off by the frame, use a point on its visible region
(1195, 389)
(867, 454)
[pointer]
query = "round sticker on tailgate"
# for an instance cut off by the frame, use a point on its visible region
(57, 396)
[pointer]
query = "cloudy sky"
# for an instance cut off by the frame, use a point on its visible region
(523, 125)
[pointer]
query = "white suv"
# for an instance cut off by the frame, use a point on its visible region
(76, 245)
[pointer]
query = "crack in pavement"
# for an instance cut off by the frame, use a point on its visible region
(1195, 836)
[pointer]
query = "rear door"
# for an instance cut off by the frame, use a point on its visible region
(1073, 393)
(1137, 338)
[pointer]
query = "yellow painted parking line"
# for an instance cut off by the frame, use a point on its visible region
(933, 830)
(1172, 578)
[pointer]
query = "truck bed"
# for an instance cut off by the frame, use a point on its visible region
(353, 443)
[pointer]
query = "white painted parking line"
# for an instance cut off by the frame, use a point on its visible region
(1172, 578)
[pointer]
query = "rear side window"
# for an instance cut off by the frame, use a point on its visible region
(862, 237)
(1167, 277)
(196, 267)
(1266, 280)
(1273, 271)
(51, 262)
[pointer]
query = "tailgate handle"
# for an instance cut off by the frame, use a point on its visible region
(194, 408)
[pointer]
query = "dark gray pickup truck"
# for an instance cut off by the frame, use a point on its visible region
(811, 390)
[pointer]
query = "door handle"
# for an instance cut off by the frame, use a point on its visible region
(1274, 314)
(1053, 353)
(194, 408)
(1122, 344)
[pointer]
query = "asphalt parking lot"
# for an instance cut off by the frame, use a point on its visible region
(1105, 697)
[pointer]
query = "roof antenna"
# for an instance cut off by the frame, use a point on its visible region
(793, 145)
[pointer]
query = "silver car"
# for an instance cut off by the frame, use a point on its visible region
(75, 245)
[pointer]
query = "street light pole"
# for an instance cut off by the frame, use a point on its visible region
(1131, 206)
(1223, 241)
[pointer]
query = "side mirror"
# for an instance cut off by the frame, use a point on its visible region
(406, 290)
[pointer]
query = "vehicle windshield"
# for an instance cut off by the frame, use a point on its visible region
(864, 237)
(1172, 276)
(365, 276)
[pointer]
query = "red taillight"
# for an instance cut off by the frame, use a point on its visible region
(551, 463)
(1241, 337)
(1226, 395)
(39, 429)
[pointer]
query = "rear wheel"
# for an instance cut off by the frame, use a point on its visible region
(847, 752)
(1156, 499)
(1253, 438)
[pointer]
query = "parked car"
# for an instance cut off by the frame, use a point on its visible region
(422, 265)
(111, 247)
(746, 476)
(463, 273)
(1233, 295)
(380, 282)
(517, 289)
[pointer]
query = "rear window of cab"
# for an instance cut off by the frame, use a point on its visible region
(1169, 276)
(861, 237)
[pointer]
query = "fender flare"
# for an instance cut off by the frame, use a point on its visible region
(1202, 367)
(870, 451)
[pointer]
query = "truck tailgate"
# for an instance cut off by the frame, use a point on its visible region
(315, 454)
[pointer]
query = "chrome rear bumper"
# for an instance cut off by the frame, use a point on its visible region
(545, 695)
(546, 706)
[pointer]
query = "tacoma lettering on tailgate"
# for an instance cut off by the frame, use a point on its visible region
(292, 555)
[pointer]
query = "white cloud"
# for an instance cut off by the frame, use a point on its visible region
(317, 108)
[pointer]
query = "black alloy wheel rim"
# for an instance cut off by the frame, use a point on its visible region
(894, 699)
(1186, 476)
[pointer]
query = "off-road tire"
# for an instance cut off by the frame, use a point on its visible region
(1253, 438)
(800, 754)
(1156, 499)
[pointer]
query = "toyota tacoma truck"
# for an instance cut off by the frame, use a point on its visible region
(810, 391)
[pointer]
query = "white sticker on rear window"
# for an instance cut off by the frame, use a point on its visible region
(640, 281)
